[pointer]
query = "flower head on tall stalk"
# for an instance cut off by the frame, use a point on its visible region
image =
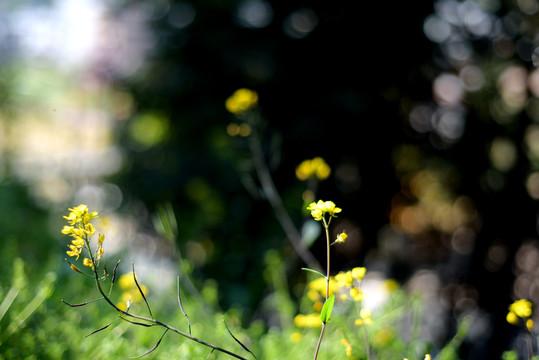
(80, 228)
(324, 211)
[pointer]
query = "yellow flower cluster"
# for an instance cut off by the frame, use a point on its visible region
(522, 309)
(309, 320)
(348, 347)
(80, 228)
(321, 208)
(131, 293)
(241, 100)
(313, 168)
(346, 284)
(364, 317)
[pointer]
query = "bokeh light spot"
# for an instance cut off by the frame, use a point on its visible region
(148, 129)
(181, 15)
(472, 77)
(532, 185)
(436, 29)
(300, 23)
(447, 90)
(503, 154)
(254, 14)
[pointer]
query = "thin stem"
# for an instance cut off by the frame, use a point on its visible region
(269, 189)
(150, 320)
(157, 322)
(326, 228)
(319, 341)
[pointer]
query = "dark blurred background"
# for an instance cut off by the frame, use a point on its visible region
(427, 113)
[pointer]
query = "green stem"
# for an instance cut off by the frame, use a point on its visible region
(326, 228)
(157, 322)
(150, 320)
(269, 189)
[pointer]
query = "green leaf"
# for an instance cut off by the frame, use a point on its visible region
(314, 271)
(325, 314)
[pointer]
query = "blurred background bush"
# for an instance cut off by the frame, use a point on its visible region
(427, 114)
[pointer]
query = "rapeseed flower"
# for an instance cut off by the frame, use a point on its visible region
(521, 309)
(131, 293)
(364, 317)
(341, 238)
(310, 320)
(81, 229)
(321, 208)
(348, 347)
(313, 168)
(241, 100)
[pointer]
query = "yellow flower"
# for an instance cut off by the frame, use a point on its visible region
(89, 229)
(241, 101)
(344, 279)
(320, 208)
(100, 240)
(88, 262)
(356, 294)
(75, 251)
(365, 317)
(341, 238)
(427, 357)
(296, 337)
(314, 168)
(78, 242)
(522, 308)
(100, 253)
(348, 347)
(365, 313)
(358, 273)
(512, 318)
(310, 320)
(67, 230)
(529, 325)
(130, 290)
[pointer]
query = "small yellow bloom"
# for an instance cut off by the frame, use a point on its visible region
(427, 357)
(88, 262)
(100, 240)
(341, 238)
(358, 273)
(100, 253)
(89, 229)
(296, 337)
(241, 101)
(529, 325)
(348, 347)
(314, 168)
(356, 294)
(320, 208)
(365, 317)
(344, 279)
(310, 320)
(522, 308)
(365, 313)
(512, 318)
(75, 251)
(130, 290)
(78, 242)
(67, 229)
